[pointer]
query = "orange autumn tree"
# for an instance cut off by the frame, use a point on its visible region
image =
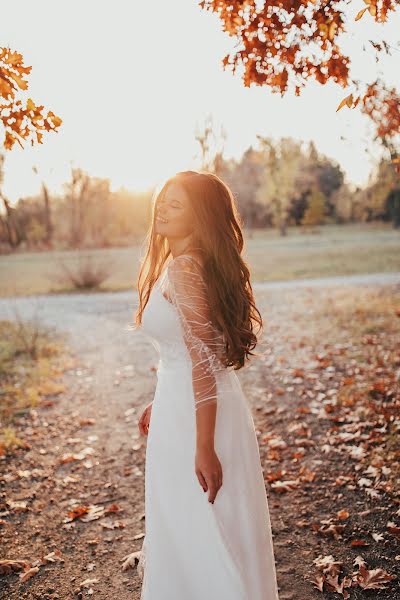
(286, 43)
(22, 120)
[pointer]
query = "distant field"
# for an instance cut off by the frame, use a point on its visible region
(335, 250)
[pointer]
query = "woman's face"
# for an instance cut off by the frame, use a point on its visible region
(173, 217)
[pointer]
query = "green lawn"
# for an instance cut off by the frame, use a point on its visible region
(334, 250)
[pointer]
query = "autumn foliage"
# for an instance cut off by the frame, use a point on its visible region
(22, 120)
(286, 43)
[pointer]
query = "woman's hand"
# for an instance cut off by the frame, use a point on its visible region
(208, 470)
(144, 421)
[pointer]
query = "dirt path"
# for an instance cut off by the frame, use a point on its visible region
(97, 417)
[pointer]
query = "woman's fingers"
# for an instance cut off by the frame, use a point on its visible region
(144, 422)
(213, 482)
(209, 472)
(214, 486)
(141, 423)
(147, 421)
(202, 481)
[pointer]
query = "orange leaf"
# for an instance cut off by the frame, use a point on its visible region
(30, 105)
(342, 514)
(11, 58)
(22, 84)
(348, 100)
(360, 13)
(28, 574)
(332, 30)
(54, 119)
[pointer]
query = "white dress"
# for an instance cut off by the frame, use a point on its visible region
(193, 549)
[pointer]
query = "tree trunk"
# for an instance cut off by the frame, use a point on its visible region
(47, 215)
(12, 226)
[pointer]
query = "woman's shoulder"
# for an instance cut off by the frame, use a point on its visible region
(188, 261)
(187, 270)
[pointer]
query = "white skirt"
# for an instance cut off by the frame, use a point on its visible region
(193, 549)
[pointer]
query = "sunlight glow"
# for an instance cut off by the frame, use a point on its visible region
(133, 80)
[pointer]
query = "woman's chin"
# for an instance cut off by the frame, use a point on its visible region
(160, 229)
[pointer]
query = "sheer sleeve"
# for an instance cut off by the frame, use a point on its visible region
(205, 343)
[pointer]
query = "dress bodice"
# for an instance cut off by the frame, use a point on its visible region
(179, 322)
(161, 324)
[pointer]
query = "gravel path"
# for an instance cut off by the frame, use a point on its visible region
(81, 314)
(116, 379)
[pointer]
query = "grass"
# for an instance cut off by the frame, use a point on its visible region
(31, 362)
(333, 250)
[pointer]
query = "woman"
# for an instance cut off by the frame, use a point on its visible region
(208, 533)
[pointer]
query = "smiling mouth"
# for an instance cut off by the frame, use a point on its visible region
(161, 220)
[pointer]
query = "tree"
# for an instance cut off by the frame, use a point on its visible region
(31, 216)
(211, 146)
(280, 179)
(22, 120)
(315, 211)
(88, 208)
(343, 199)
(286, 43)
(382, 194)
(326, 175)
(47, 211)
(244, 178)
(393, 207)
(10, 221)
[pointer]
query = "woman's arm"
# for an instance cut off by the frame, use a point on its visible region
(205, 344)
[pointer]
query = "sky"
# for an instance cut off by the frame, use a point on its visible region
(133, 82)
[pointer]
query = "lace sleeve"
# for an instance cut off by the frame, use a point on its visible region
(188, 292)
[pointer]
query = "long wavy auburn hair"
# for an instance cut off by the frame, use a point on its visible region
(218, 235)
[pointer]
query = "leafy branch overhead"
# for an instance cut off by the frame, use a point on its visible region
(285, 43)
(22, 120)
